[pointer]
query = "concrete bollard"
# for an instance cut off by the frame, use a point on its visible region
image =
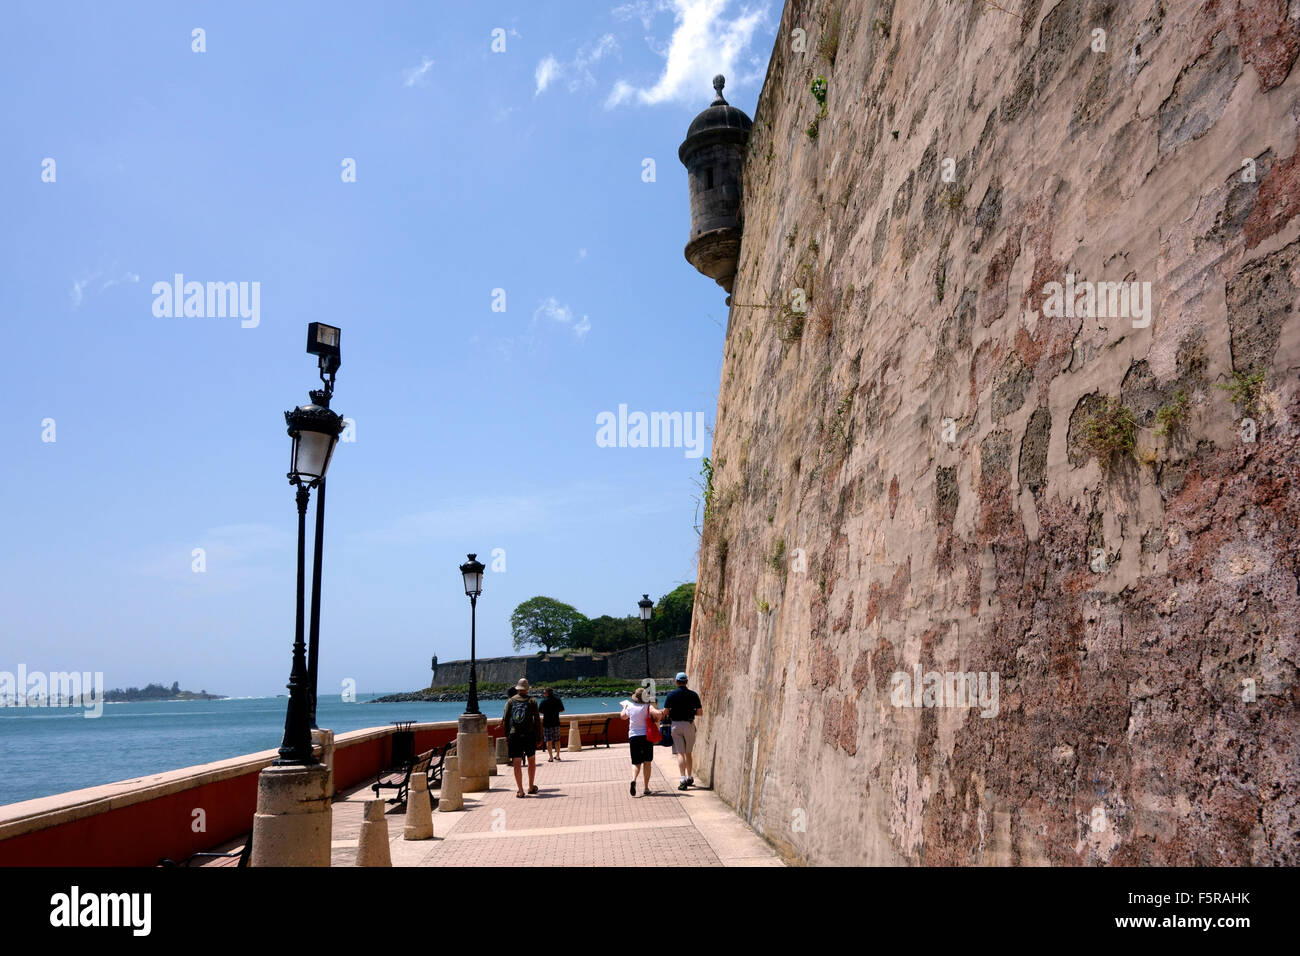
(449, 797)
(474, 753)
(419, 810)
(372, 844)
(324, 740)
(292, 824)
(575, 736)
(503, 751)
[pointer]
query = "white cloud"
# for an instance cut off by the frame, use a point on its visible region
(643, 10)
(706, 40)
(78, 289)
(577, 72)
(128, 277)
(414, 75)
(79, 286)
(582, 254)
(547, 71)
(553, 310)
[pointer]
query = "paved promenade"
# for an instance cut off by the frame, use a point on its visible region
(582, 817)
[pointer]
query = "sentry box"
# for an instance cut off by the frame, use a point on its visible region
(323, 341)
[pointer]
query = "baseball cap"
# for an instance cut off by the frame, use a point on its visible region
(681, 675)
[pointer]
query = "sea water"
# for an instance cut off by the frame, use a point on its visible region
(46, 750)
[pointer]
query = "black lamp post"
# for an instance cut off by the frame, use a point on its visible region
(645, 604)
(315, 431)
(472, 572)
(323, 342)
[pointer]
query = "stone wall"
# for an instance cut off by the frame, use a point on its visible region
(903, 477)
(666, 659)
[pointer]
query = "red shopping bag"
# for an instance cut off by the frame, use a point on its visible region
(651, 728)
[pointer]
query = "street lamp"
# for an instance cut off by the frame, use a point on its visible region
(323, 342)
(315, 430)
(645, 604)
(472, 572)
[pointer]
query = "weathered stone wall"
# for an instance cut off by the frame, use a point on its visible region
(666, 659)
(507, 670)
(852, 533)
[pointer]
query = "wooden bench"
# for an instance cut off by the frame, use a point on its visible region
(597, 729)
(400, 780)
(436, 767)
(243, 855)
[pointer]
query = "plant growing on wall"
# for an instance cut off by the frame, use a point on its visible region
(819, 94)
(1245, 390)
(706, 472)
(777, 560)
(1109, 431)
(1170, 417)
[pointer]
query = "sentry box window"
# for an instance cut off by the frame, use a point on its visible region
(323, 340)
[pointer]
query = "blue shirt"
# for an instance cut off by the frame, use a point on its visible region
(683, 703)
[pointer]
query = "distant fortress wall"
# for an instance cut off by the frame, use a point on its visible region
(667, 657)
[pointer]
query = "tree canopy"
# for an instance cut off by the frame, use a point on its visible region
(672, 614)
(606, 633)
(550, 624)
(544, 622)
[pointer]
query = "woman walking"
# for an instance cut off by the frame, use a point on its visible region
(636, 714)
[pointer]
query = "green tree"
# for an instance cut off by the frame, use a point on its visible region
(544, 622)
(606, 633)
(672, 615)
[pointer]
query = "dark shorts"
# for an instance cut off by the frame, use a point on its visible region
(551, 735)
(642, 750)
(521, 746)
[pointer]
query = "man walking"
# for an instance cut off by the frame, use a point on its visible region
(683, 706)
(551, 706)
(520, 725)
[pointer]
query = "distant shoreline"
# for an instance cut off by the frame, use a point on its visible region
(134, 696)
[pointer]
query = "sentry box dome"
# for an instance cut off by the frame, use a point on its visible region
(713, 154)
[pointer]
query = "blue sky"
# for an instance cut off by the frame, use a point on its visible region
(476, 170)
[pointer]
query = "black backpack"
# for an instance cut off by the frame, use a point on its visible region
(521, 719)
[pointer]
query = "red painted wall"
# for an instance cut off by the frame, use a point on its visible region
(144, 833)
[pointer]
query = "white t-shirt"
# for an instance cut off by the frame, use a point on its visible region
(637, 714)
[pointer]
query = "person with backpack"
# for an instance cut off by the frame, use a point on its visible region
(640, 713)
(520, 724)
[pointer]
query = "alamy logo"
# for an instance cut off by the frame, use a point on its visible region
(74, 908)
(946, 689)
(1098, 300)
(655, 430)
(211, 300)
(53, 689)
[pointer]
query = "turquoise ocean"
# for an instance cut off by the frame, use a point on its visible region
(48, 750)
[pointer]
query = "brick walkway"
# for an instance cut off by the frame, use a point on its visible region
(582, 817)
